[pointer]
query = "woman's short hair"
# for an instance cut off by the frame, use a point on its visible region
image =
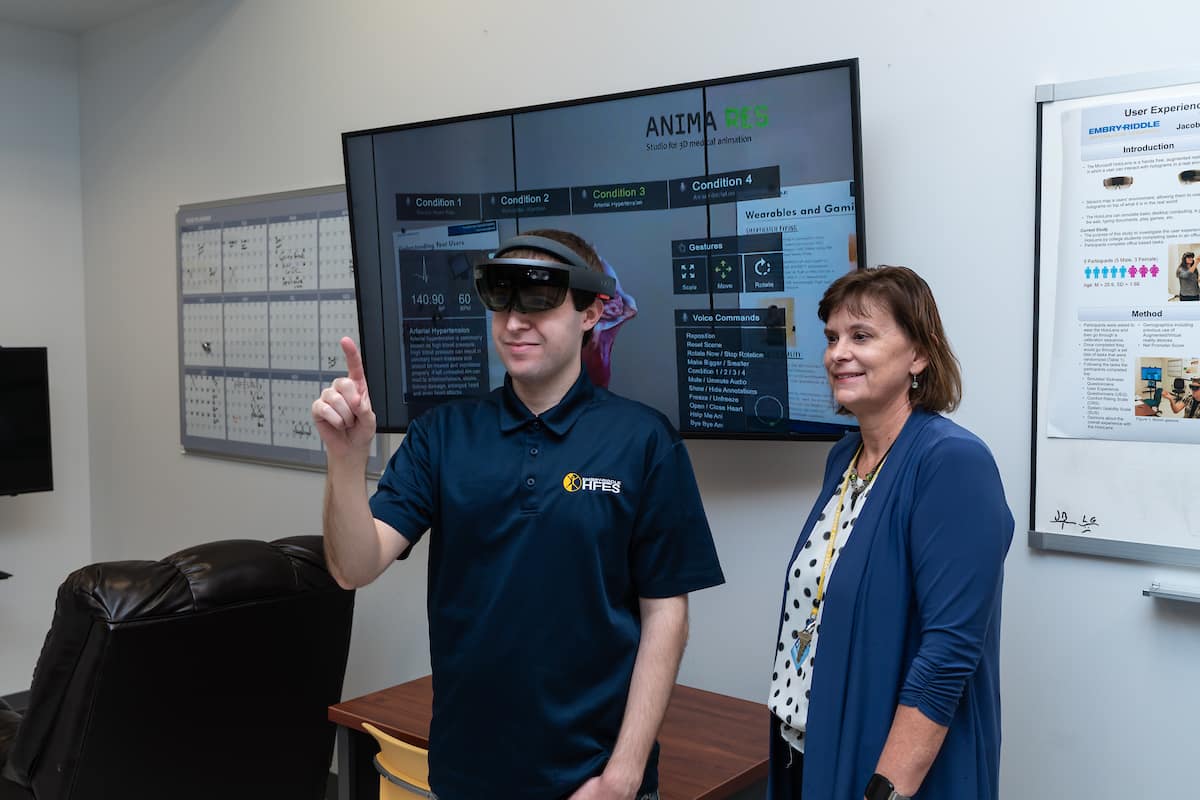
(584, 250)
(1183, 258)
(906, 295)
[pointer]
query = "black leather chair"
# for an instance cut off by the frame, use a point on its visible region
(205, 675)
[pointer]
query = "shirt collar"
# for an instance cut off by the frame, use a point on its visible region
(559, 419)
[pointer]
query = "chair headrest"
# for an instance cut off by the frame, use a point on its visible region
(200, 578)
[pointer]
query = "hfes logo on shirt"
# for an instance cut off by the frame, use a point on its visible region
(574, 482)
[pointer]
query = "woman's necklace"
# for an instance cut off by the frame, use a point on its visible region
(859, 484)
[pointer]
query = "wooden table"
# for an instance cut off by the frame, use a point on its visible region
(712, 746)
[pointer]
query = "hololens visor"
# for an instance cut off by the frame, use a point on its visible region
(535, 284)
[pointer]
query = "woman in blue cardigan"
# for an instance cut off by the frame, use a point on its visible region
(885, 683)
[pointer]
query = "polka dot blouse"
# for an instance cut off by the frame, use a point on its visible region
(790, 682)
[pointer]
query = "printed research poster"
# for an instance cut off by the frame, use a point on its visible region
(1125, 359)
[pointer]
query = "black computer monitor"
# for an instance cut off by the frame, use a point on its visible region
(25, 463)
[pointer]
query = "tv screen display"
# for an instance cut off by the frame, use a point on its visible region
(24, 421)
(723, 208)
(1152, 373)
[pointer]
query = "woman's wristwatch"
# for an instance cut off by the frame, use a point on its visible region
(880, 788)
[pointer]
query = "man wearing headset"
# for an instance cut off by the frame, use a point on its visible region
(1190, 405)
(566, 533)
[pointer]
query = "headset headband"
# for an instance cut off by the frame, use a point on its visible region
(547, 246)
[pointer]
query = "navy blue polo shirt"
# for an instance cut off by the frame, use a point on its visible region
(545, 531)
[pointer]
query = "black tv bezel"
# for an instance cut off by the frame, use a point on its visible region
(834, 431)
(31, 488)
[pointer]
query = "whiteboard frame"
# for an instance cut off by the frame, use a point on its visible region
(1045, 540)
(276, 456)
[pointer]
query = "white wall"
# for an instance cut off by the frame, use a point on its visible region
(42, 536)
(208, 100)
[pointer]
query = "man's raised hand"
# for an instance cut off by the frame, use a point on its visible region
(343, 412)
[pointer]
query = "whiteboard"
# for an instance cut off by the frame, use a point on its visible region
(266, 291)
(1113, 460)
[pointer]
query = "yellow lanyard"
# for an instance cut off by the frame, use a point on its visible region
(837, 517)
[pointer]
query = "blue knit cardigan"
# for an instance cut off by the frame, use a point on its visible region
(912, 617)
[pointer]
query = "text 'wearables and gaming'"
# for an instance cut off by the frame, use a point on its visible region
(535, 284)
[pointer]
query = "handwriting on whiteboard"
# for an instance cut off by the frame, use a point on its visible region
(1084, 524)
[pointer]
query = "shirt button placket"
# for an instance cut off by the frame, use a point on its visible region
(533, 447)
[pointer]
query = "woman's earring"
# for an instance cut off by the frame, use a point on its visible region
(915, 383)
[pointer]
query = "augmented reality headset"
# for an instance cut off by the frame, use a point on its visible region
(535, 284)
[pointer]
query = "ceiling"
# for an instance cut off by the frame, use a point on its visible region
(69, 16)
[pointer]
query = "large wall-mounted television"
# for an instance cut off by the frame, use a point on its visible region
(724, 208)
(25, 464)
